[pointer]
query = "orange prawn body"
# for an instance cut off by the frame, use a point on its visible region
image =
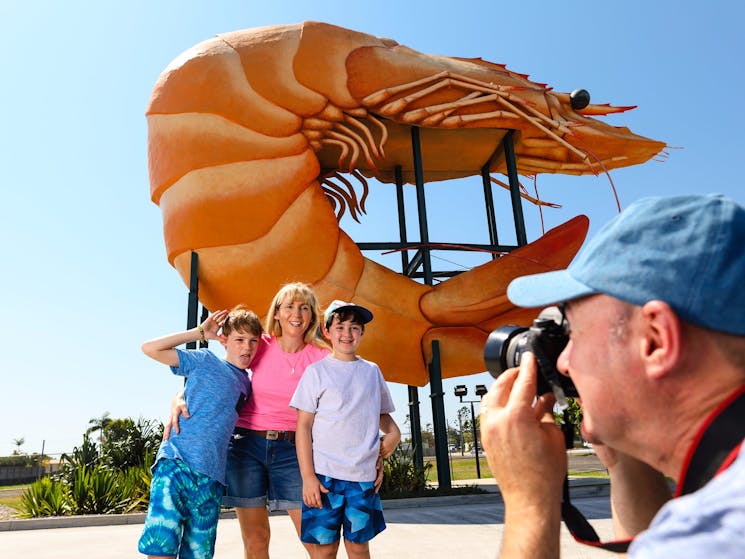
(250, 134)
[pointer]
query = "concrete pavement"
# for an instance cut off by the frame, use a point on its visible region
(468, 525)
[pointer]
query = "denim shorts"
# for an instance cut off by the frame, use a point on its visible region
(183, 512)
(352, 504)
(263, 473)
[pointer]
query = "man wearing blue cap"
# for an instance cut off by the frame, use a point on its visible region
(656, 308)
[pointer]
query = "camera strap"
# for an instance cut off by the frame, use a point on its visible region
(713, 450)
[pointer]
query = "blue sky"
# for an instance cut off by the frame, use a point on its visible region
(84, 274)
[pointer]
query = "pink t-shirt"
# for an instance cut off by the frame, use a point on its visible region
(273, 382)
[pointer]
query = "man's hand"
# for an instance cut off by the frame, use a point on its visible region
(526, 454)
(523, 444)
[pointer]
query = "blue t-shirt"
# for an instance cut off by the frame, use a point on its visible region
(214, 392)
(709, 522)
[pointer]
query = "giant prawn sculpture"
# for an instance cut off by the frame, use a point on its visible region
(251, 132)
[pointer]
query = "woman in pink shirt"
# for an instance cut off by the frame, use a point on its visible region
(262, 461)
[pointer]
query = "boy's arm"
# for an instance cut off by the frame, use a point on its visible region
(391, 435)
(312, 487)
(163, 349)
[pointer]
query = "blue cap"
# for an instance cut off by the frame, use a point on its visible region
(688, 251)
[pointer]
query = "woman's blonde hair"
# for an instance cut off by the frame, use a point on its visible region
(296, 291)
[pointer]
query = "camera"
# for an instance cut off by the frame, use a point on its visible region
(546, 339)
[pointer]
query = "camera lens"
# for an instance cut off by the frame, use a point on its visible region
(503, 348)
(546, 338)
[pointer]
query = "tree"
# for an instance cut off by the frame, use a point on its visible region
(453, 435)
(464, 424)
(19, 442)
(99, 424)
(428, 436)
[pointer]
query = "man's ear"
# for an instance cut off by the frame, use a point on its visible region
(661, 338)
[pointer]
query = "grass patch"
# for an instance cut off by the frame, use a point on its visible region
(599, 475)
(465, 468)
(10, 495)
(460, 468)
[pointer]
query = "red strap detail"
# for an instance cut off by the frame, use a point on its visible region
(702, 429)
(731, 458)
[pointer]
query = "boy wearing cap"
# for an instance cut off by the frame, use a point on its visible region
(189, 472)
(343, 404)
(655, 304)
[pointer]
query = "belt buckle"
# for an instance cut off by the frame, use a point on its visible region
(272, 435)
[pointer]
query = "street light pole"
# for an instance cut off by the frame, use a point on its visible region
(460, 432)
(475, 440)
(461, 391)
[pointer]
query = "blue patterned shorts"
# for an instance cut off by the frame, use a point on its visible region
(183, 512)
(352, 504)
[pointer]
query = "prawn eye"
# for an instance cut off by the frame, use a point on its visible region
(579, 99)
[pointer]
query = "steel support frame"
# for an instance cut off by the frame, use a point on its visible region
(415, 422)
(421, 259)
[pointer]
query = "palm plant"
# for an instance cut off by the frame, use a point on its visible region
(99, 424)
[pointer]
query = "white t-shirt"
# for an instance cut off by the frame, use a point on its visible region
(347, 398)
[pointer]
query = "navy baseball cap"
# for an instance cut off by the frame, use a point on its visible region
(337, 305)
(688, 251)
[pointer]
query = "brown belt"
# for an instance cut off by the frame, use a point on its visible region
(270, 435)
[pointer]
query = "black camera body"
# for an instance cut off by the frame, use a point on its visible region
(546, 339)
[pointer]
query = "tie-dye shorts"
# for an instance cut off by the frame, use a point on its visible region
(183, 512)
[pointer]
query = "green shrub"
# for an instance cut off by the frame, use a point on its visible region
(115, 479)
(45, 498)
(402, 477)
(127, 443)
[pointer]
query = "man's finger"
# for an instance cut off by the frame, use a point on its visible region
(499, 393)
(525, 387)
(545, 405)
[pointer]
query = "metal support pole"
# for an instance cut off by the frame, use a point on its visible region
(205, 314)
(193, 308)
(401, 215)
(438, 417)
(475, 442)
(517, 207)
(415, 422)
(491, 219)
(435, 372)
(460, 431)
(40, 465)
(421, 204)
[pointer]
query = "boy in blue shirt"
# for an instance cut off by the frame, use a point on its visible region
(343, 404)
(189, 471)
